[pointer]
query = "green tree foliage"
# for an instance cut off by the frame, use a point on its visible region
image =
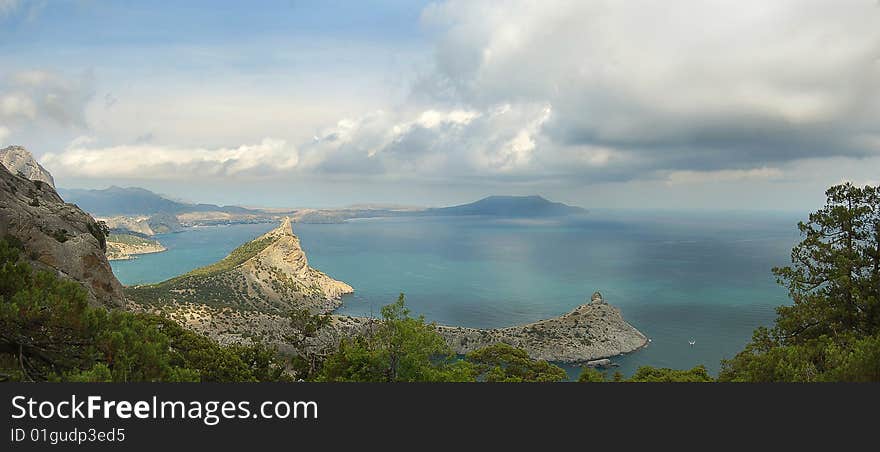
(505, 363)
(48, 332)
(648, 374)
(234, 259)
(831, 332)
(401, 349)
(591, 375)
(311, 355)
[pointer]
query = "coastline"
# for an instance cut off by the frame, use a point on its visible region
(591, 331)
(123, 252)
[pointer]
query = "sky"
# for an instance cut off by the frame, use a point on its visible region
(638, 104)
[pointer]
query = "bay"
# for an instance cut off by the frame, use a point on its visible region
(677, 276)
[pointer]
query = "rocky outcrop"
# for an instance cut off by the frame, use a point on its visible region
(270, 274)
(591, 331)
(57, 236)
(20, 161)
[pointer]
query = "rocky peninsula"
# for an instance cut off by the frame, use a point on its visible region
(127, 246)
(270, 274)
(591, 331)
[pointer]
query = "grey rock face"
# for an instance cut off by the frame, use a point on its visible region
(57, 236)
(591, 331)
(19, 160)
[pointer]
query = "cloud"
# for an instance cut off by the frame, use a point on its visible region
(17, 105)
(679, 85)
(502, 141)
(110, 100)
(8, 7)
(557, 92)
(43, 97)
(4, 133)
(81, 159)
(30, 9)
(702, 177)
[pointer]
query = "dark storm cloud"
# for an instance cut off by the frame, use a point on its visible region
(672, 85)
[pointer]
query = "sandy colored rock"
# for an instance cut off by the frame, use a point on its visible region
(269, 274)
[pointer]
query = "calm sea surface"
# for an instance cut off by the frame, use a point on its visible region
(675, 276)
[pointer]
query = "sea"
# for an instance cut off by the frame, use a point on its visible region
(696, 283)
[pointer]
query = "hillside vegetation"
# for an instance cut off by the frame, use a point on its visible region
(237, 257)
(48, 332)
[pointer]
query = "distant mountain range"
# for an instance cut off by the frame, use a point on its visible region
(133, 201)
(510, 206)
(136, 201)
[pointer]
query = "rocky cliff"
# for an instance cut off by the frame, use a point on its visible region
(19, 161)
(270, 274)
(57, 236)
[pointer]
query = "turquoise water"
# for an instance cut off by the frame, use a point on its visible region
(675, 276)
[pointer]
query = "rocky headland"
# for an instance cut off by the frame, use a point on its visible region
(127, 246)
(591, 331)
(269, 274)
